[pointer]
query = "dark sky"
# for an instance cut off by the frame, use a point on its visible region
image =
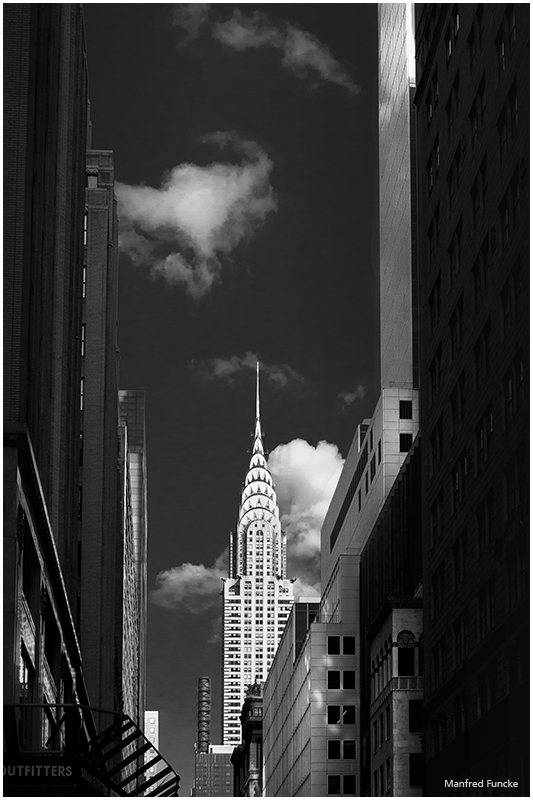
(298, 291)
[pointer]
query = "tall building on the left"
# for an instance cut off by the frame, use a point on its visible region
(73, 713)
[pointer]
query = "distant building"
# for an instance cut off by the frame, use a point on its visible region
(257, 595)
(213, 770)
(474, 137)
(151, 731)
(134, 516)
(247, 758)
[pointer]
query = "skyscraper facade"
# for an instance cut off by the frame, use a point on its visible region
(473, 135)
(378, 452)
(100, 547)
(133, 600)
(257, 596)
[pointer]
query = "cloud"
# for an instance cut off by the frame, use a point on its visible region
(199, 214)
(305, 477)
(227, 368)
(190, 17)
(302, 53)
(195, 586)
(347, 398)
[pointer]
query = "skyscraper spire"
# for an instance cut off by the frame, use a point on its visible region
(257, 593)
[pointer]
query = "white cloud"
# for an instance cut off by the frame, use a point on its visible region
(226, 368)
(195, 586)
(199, 213)
(302, 52)
(305, 478)
(347, 398)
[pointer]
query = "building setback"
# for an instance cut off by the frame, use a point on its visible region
(473, 138)
(257, 594)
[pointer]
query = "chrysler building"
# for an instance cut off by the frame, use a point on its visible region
(258, 596)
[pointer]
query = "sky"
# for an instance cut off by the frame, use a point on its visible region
(244, 139)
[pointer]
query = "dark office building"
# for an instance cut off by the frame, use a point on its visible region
(473, 139)
(60, 460)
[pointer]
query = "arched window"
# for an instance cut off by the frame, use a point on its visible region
(406, 653)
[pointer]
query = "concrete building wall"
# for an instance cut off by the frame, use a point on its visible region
(297, 696)
(395, 212)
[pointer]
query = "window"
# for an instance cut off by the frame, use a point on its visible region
(436, 517)
(479, 274)
(435, 374)
(348, 679)
(334, 645)
(437, 590)
(435, 446)
(416, 769)
(406, 409)
(387, 723)
(432, 98)
(481, 355)
(508, 122)
(405, 442)
(434, 316)
(344, 717)
(457, 405)
(388, 773)
(434, 233)
(334, 784)
(509, 209)
(348, 645)
(458, 561)
(478, 193)
(459, 640)
(415, 716)
(348, 784)
(406, 653)
(484, 524)
(475, 37)
(452, 106)
(510, 300)
(456, 327)
(348, 715)
(454, 251)
(483, 434)
(374, 736)
(506, 39)
(438, 661)
(458, 480)
(381, 729)
(348, 750)
(334, 748)
(477, 113)
(514, 483)
(485, 610)
(513, 389)
(334, 679)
